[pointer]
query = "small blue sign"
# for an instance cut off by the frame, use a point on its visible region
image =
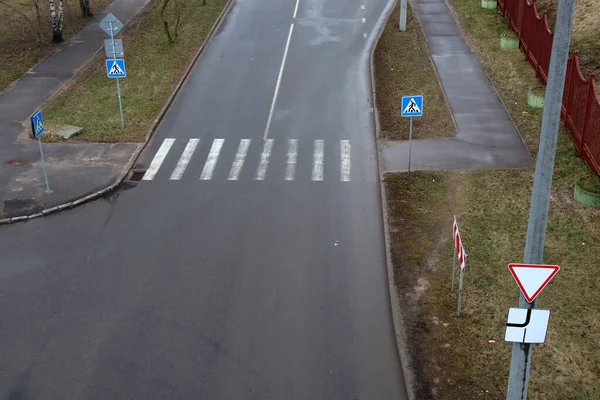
(116, 68)
(412, 106)
(37, 124)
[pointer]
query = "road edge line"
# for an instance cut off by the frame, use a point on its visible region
(397, 316)
(77, 201)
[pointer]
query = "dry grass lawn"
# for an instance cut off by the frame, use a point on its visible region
(453, 356)
(19, 50)
(153, 69)
(397, 75)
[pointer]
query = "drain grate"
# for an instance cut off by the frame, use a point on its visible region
(137, 174)
(15, 163)
(16, 207)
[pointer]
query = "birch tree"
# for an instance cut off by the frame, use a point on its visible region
(57, 20)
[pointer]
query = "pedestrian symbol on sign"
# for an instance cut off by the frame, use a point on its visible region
(115, 68)
(37, 124)
(412, 107)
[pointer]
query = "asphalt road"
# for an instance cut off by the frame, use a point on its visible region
(242, 268)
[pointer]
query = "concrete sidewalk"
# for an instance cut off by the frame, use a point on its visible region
(76, 169)
(487, 136)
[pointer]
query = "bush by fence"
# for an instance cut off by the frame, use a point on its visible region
(581, 103)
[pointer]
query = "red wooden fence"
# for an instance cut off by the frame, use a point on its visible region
(581, 103)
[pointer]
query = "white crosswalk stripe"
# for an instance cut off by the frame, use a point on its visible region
(345, 160)
(160, 156)
(238, 161)
(294, 161)
(211, 160)
(184, 160)
(264, 160)
(318, 160)
(292, 157)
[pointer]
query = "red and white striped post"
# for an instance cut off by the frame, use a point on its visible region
(461, 255)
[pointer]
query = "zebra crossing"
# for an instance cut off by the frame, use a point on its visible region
(240, 161)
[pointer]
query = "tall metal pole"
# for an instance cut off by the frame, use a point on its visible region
(520, 364)
(460, 285)
(410, 144)
(48, 191)
(403, 10)
(114, 52)
(453, 263)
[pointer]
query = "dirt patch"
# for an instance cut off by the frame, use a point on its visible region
(403, 67)
(414, 234)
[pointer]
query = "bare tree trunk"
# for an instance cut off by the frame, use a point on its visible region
(171, 36)
(57, 21)
(178, 20)
(40, 27)
(164, 21)
(61, 17)
(86, 8)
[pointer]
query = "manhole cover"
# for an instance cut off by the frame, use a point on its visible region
(15, 163)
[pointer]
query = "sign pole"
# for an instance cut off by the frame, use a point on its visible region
(48, 191)
(112, 38)
(453, 263)
(460, 286)
(520, 364)
(403, 8)
(410, 143)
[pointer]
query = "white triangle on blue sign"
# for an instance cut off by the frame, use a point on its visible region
(115, 69)
(411, 107)
(39, 126)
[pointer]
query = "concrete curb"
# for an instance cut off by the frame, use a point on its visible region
(397, 316)
(133, 159)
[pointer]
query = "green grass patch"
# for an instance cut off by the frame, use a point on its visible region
(453, 356)
(403, 67)
(153, 69)
(590, 184)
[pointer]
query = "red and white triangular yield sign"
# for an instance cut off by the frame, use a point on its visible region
(532, 278)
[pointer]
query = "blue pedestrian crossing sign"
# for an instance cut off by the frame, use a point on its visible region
(115, 68)
(37, 124)
(412, 106)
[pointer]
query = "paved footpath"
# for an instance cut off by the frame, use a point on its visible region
(487, 136)
(74, 169)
